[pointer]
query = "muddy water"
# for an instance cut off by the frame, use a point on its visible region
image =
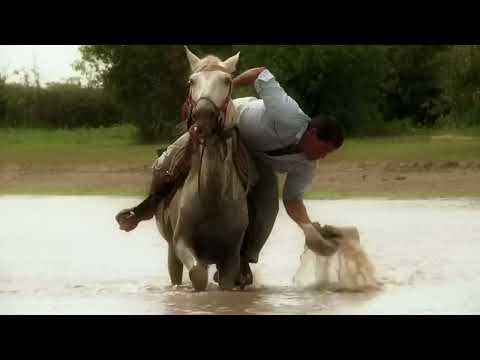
(64, 255)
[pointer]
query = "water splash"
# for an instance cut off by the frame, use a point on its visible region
(349, 269)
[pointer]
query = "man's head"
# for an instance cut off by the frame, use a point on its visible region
(323, 136)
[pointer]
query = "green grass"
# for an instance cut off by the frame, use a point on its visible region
(75, 147)
(431, 145)
(118, 145)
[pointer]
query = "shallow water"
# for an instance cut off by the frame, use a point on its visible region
(65, 255)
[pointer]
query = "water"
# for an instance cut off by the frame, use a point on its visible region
(65, 255)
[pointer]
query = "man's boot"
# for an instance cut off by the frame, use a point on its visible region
(129, 219)
(244, 278)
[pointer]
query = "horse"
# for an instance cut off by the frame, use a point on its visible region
(205, 220)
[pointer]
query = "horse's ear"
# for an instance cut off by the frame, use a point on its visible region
(231, 63)
(192, 58)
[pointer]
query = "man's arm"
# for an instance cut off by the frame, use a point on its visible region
(295, 185)
(276, 100)
(298, 180)
(297, 211)
(247, 78)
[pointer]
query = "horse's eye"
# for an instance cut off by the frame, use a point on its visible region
(190, 82)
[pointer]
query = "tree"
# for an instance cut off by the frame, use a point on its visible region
(411, 89)
(340, 80)
(149, 81)
(3, 97)
(460, 82)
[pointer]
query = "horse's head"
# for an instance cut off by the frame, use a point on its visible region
(209, 104)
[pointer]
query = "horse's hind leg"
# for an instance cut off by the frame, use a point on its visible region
(228, 271)
(175, 266)
(197, 271)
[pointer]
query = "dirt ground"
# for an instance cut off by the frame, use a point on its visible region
(352, 178)
(400, 177)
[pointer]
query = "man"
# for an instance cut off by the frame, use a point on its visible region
(281, 138)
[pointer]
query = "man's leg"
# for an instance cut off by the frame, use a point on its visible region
(162, 184)
(263, 206)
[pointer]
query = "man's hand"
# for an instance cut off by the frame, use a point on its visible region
(313, 239)
(247, 78)
(316, 242)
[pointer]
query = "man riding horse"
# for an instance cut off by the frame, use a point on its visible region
(281, 138)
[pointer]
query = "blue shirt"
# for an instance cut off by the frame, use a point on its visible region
(273, 122)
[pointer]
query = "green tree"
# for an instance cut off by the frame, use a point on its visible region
(3, 98)
(460, 81)
(340, 80)
(411, 89)
(148, 81)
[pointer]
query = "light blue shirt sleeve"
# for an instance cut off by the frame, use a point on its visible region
(273, 95)
(288, 120)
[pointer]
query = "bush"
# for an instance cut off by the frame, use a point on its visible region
(56, 106)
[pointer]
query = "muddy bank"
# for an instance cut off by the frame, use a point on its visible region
(355, 178)
(446, 177)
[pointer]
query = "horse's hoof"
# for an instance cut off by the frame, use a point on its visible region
(245, 277)
(199, 277)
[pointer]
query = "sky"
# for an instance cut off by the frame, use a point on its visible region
(53, 61)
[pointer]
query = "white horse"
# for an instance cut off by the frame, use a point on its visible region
(206, 219)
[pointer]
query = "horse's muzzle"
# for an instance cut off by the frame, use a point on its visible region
(196, 134)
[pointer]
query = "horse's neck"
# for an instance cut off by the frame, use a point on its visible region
(213, 165)
(218, 177)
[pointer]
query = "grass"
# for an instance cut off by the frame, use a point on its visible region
(74, 147)
(425, 145)
(118, 146)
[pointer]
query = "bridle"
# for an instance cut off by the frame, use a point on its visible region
(190, 105)
(222, 134)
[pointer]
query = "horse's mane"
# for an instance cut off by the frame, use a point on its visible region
(209, 63)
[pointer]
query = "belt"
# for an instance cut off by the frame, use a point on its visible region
(284, 151)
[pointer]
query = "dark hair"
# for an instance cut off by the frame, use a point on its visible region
(328, 129)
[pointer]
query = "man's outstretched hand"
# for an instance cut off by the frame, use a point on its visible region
(316, 242)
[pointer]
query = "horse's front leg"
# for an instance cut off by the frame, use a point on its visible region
(197, 271)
